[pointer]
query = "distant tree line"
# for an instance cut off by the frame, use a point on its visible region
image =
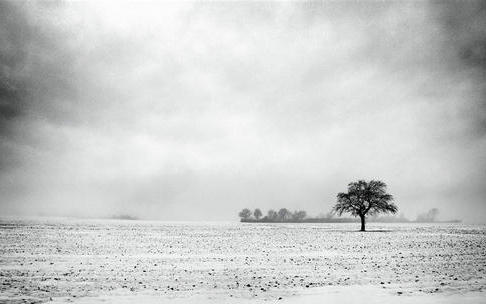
(363, 200)
(282, 215)
(285, 216)
(124, 217)
(430, 216)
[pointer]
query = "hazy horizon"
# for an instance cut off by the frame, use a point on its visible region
(193, 111)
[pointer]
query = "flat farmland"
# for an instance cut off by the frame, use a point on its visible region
(66, 260)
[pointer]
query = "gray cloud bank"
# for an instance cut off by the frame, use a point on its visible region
(193, 111)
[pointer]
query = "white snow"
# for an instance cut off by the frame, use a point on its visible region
(116, 261)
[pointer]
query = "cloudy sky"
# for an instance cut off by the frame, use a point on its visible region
(193, 111)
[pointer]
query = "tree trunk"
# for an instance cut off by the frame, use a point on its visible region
(362, 223)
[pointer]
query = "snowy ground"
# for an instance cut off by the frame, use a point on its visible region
(103, 261)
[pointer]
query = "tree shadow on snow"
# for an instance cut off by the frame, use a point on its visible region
(377, 230)
(327, 229)
(367, 231)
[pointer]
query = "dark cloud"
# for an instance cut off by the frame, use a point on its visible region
(13, 54)
(36, 76)
(196, 110)
(464, 25)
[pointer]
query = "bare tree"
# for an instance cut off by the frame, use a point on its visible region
(365, 198)
(257, 213)
(245, 214)
(272, 215)
(299, 215)
(284, 214)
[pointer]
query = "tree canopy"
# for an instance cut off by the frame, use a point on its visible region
(245, 213)
(257, 213)
(365, 198)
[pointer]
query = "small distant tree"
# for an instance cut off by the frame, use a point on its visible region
(430, 216)
(245, 214)
(257, 214)
(272, 215)
(365, 198)
(284, 214)
(299, 215)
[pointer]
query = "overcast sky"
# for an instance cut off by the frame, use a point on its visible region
(194, 111)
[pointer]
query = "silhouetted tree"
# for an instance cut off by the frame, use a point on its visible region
(257, 213)
(299, 215)
(284, 214)
(245, 214)
(365, 198)
(272, 215)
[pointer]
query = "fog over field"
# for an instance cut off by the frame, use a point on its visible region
(194, 110)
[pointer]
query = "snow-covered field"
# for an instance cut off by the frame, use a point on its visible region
(115, 261)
